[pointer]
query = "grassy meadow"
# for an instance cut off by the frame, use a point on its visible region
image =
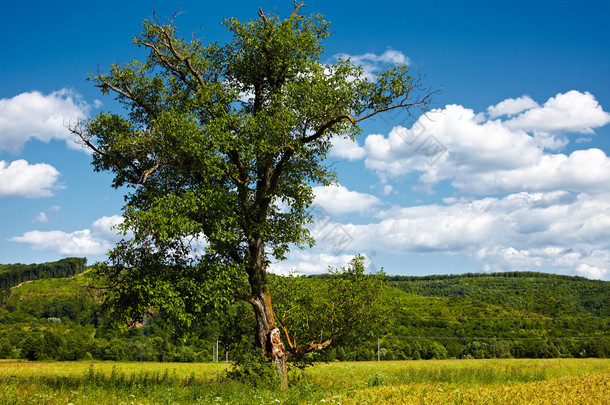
(505, 381)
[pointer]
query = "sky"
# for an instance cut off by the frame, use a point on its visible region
(508, 171)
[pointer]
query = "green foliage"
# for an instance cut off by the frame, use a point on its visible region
(440, 323)
(343, 309)
(223, 143)
(14, 274)
(377, 379)
(253, 369)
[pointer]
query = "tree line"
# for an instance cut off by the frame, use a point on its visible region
(15, 274)
(61, 319)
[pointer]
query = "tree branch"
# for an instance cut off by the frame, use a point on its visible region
(172, 48)
(244, 297)
(310, 347)
(296, 8)
(262, 15)
(78, 131)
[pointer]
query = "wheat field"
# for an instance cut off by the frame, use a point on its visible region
(500, 381)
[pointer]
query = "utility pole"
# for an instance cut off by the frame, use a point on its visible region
(378, 351)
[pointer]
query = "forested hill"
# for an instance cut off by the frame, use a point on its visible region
(545, 294)
(15, 274)
(517, 314)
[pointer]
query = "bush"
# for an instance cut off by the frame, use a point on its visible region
(253, 369)
(6, 349)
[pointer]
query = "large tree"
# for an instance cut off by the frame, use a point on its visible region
(222, 144)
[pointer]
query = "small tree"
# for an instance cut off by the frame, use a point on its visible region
(214, 139)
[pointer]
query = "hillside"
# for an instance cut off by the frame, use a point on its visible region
(518, 314)
(12, 275)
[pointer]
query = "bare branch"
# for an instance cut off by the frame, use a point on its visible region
(79, 131)
(262, 15)
(310, 347)
(296, 8)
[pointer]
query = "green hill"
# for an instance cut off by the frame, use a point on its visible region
(517, 314)
(15, 274)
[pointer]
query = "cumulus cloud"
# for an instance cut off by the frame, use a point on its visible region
(524, 231)
(74, 243)
(568, 112)
(519, 203)
(34, 115)
(95, 241)
(512, 106)
(483, 156)
(345, 148)
(581, 171)
(21, 179)
(337, 199)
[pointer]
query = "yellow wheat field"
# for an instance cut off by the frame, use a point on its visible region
(500, 381)
(590, 389)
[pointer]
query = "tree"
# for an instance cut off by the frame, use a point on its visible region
(222, 144)
(346, 308)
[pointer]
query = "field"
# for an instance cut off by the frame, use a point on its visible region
(506, 381)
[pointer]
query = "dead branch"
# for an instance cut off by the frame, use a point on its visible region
(79, 131)
(262, 15)
(296, 8)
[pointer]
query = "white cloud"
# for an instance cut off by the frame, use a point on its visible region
(570, 112)
(426, 228)
(95, 241)
(512, 106)
(387, 189)
(345, 148)
(41, 217)
(106, 227)
(591, 271)
(309, 263)
(372, 63)
(75, 243)
(558, 231)
(337, 199)
(34, 115)
(481, 156)
(20, 179)
(448, 143)
(581, 171)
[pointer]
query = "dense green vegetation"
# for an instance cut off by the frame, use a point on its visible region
(14, 274)
(518, 314)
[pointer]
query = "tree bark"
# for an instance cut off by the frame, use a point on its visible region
(268, 336)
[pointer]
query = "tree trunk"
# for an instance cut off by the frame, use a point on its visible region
(267, 334)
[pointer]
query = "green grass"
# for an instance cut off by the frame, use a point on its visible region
(402, 382)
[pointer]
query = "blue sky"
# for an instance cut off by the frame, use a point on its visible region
(509, 171)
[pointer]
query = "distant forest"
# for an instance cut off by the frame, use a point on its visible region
(14, 274)
(516, 314)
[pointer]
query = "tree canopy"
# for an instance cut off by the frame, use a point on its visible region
(221, 144)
